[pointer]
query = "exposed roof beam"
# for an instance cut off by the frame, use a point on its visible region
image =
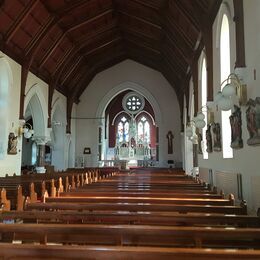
(181, 33)
(71, 28)
(72, 5)
(149, 5)
(147, 48)
(72, 68)
(193, 19)
(138, 32)
(20, 19)
(80, 43)
(140, 20)
(175, 58)
(103, 46)
(40, 36)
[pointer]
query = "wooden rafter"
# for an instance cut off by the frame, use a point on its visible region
(20, 19)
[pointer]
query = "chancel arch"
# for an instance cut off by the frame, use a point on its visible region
(130, 128)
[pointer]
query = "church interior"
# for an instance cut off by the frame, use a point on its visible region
(129, 129)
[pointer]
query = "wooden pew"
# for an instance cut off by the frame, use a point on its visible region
(14, 193)
(136, 193)
(170, 201)
(135, 207)
(135, 235)
(26, 251)
(137, 218)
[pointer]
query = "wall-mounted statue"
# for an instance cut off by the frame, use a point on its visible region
(253, 121)
(216, 137)
(209, 139)
(12, 144)
(236, 128)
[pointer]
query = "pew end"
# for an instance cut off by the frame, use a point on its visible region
(20, 199)
(231, 197)
(3, 200)
(243, 205)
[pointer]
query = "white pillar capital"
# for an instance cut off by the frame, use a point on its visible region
(41, 140)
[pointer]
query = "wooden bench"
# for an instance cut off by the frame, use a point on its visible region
(135, 207)
(134, 235)
(100, 193)
(25, 251)
(169, 201)
(137, 218)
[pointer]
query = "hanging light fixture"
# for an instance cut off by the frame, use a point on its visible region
(234, 87)
(26, 130)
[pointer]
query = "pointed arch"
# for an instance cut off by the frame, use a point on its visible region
(134, 87)
(6, 81)
(35, 101)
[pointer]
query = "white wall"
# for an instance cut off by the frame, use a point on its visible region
(36, 98)
(245, 160)
(11, 163)
(59, 139)
(129, 75)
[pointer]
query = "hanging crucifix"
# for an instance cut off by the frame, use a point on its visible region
(170, 137)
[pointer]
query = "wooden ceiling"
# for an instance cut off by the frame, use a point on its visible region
(67, 42)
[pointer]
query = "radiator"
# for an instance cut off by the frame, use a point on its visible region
(255, 191)
(205, 175)
(229, 182)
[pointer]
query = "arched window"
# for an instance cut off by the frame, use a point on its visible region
(224, 72)
(204, 103)
(143, 131)
(34, 153)
(4, 89)
(123, 130)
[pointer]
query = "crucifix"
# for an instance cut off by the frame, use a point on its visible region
(170, 137)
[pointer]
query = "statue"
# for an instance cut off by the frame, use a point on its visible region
(236, 129)
(12, 144)
(170, 137)
(253, 121)
(209, 139)
(216, 137)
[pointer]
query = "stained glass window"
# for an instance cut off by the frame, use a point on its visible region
(123, 130)
(143, 131)
(133, 102)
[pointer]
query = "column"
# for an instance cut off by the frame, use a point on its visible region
(195, 155)
(41, 141)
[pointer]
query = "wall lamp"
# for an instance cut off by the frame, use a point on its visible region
(197, 122)
(26, 130)
(233, 87)
(190, 132)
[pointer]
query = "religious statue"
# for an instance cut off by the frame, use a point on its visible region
(12, 144)
(236, 129)
(170, 137)
(216, 137)
(199, 143)
(209, 139)
(253, 121)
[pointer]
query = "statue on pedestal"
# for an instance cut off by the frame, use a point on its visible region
(253, 121)
(236, 129)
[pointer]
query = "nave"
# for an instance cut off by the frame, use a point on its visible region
(105, 213)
